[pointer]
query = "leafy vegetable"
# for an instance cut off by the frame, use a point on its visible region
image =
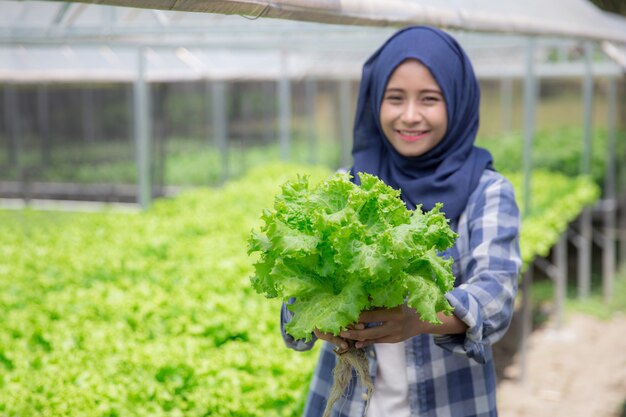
(97, 306)
(556, 200)
(339, 249)
(558, 149)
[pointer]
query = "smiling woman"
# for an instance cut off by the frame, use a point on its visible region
(415, 127)
(413, 113)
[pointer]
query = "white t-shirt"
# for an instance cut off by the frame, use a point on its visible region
(391, 391)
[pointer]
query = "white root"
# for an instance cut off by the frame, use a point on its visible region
(353, 359)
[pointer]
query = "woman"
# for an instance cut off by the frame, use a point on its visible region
(415, 127)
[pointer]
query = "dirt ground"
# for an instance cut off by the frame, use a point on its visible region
(577, 370)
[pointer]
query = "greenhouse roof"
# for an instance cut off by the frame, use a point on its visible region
(60, 41)
(566, 18)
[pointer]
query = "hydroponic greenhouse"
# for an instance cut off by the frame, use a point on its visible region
(139, 146)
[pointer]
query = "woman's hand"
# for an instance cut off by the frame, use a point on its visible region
(397, 324)
(342, 344)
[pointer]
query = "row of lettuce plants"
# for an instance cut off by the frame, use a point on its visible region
(152, 313)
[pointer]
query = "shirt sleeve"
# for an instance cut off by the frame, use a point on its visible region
(491, 264)
(295, 344)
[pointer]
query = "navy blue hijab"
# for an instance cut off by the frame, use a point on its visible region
(450, 171)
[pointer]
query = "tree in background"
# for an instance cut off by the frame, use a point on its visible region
(613, 6)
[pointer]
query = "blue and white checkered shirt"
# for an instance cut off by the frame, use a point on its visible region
(450, 375)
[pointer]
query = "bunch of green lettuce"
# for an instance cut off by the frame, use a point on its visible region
(340, 249)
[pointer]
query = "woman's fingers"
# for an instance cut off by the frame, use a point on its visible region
(370, 336)
(386, 326)
(369, 333)
(357, 326)
(380, 315)
(341, 344)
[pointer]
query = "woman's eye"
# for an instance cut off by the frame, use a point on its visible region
(394, 98)
(431, 99)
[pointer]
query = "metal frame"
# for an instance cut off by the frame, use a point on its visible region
(165, 32)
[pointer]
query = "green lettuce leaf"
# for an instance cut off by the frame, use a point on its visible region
(338, 249)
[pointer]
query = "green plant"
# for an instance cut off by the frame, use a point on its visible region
(559, 150)
(152, 313)
(340, 249)
(146, 314)
(556, 201)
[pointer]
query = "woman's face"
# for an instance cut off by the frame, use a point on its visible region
(413, 112)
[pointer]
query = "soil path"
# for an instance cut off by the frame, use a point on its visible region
(578, 370)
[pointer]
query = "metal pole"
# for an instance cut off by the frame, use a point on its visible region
(608, 259)
(14, 129)
(622, 234)
(530, 91)
(530, 98)
(43, 118)
(345, 114)
(560, 261)
(284, 111)
(269, 114)
(141, 102)
(88, 114)
(506, 104)
(584, 254)
(220, 124)
(620, 187)
(311, 98)
(527, 321)
(588, 90)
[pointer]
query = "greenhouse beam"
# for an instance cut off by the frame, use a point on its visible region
(142, 134)
(622, 233)
(219, 117)
(557, 272)
(506, 104)
(311, 109)
(43, 124)
(582, 240)
(269, 113)
(560, 260)
(530, 99)
(88, 114)
(13, 124)
(284, 111)
(606, 238)
(585, 221)
(527, 321)
(609, 260)
(587, 116)
(345, 122)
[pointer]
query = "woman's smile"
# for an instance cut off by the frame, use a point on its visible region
(412, 135)
(413, 113)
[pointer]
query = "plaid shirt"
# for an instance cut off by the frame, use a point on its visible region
(450, 375)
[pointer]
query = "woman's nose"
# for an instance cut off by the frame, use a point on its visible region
(412, 113)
